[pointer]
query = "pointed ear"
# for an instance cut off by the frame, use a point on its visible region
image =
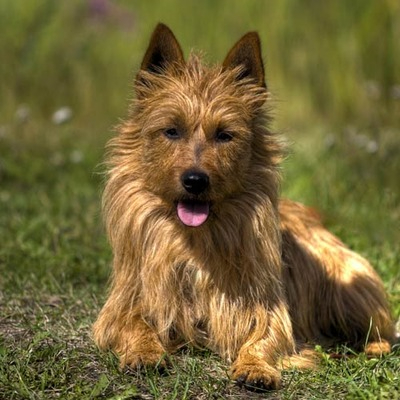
(163, 49)
(247, 53)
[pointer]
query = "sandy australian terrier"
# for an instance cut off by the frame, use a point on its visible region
(204, 250)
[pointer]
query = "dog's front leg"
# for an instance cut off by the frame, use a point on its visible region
(138, 345)
(254, 368)
(255, 365)
(129, 336)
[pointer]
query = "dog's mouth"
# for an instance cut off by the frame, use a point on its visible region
(193, 212)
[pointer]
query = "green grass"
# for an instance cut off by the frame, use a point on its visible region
(335, 101)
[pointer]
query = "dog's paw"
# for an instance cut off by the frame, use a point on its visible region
(377, 349)
(257, 377)
(136, 360)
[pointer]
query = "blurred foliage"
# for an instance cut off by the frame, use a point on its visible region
(332, 61)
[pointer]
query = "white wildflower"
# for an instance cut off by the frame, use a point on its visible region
(62, 115)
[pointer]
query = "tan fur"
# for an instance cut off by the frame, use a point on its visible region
(260, 275)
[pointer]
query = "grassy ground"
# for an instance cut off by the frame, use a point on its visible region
(338, 106)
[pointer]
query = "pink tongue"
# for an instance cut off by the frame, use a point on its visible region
(193, 213)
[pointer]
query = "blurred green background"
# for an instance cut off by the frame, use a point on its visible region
(333, 68)
(335, 62)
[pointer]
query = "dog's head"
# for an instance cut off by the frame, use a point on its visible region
(201, 129)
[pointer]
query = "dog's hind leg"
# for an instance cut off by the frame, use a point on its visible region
(334, 294)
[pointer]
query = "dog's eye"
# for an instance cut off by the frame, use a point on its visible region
(172, 133)
(223, 136)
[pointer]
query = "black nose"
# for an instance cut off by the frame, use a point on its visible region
(195, 182)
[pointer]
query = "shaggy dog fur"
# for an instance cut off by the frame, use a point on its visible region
(204, 250)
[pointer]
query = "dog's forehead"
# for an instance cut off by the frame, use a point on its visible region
(206, 89)
(208, 103)
(209, 81)
(196, 94)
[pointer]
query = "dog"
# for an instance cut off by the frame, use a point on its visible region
(204, 250)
